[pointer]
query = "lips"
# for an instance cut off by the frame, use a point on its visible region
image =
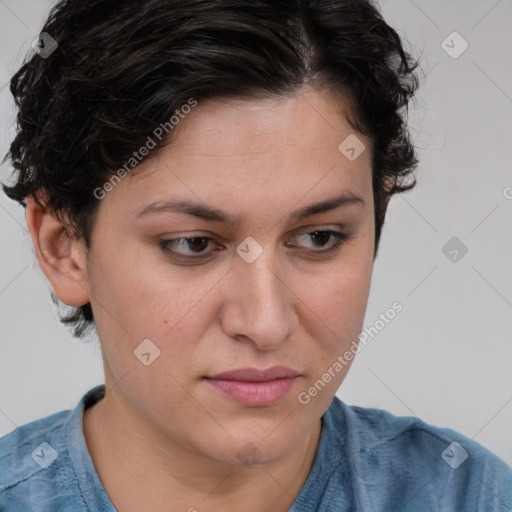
(255, 375)
(252, 387)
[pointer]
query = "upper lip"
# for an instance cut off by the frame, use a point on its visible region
(257, 375)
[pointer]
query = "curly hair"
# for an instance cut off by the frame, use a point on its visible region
(123, 68)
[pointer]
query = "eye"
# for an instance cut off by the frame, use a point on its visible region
(322, 237)
(196, 244)
(325, 241)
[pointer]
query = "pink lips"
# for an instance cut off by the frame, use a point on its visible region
(255, 388)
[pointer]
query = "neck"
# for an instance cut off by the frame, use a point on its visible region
(142, 469)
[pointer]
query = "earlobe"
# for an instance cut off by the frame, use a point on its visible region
(62, 258)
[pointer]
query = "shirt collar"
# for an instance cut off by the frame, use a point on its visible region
(89, 482)
(331, 450)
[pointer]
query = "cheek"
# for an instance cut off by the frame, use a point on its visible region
(339, 306)
(168, 304)
(340, 296)
(338, 300)
(338, 320)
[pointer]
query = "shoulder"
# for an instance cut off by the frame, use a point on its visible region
(30, 455)
(45, 465)
(408, 462)
(30, 448)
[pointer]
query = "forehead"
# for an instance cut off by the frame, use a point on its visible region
(306, 119)
(254, 152)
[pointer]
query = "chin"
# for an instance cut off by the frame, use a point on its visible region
(246, 450)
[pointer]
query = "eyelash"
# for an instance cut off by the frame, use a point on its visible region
(339, 240)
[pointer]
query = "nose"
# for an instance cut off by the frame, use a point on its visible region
(259, 302)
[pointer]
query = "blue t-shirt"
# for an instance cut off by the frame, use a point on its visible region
(368, 460)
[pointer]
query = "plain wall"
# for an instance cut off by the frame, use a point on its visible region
(447, 356)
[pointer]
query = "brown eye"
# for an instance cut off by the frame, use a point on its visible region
(197, 246)
(322, 237)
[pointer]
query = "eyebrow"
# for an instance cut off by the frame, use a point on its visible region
(205, 212)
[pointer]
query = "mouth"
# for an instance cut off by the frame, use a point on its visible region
(251, 387)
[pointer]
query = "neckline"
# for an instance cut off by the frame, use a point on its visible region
(330, 451)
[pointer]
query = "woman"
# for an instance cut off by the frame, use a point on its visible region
(206, 183)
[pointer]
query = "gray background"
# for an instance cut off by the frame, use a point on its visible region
(446, 357)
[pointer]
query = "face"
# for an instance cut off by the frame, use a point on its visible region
(256, 286)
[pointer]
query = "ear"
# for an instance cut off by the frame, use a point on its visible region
(61, 257)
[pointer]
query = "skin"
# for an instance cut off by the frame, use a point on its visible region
(163, 438)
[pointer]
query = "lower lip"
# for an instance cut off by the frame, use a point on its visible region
(255, 394)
